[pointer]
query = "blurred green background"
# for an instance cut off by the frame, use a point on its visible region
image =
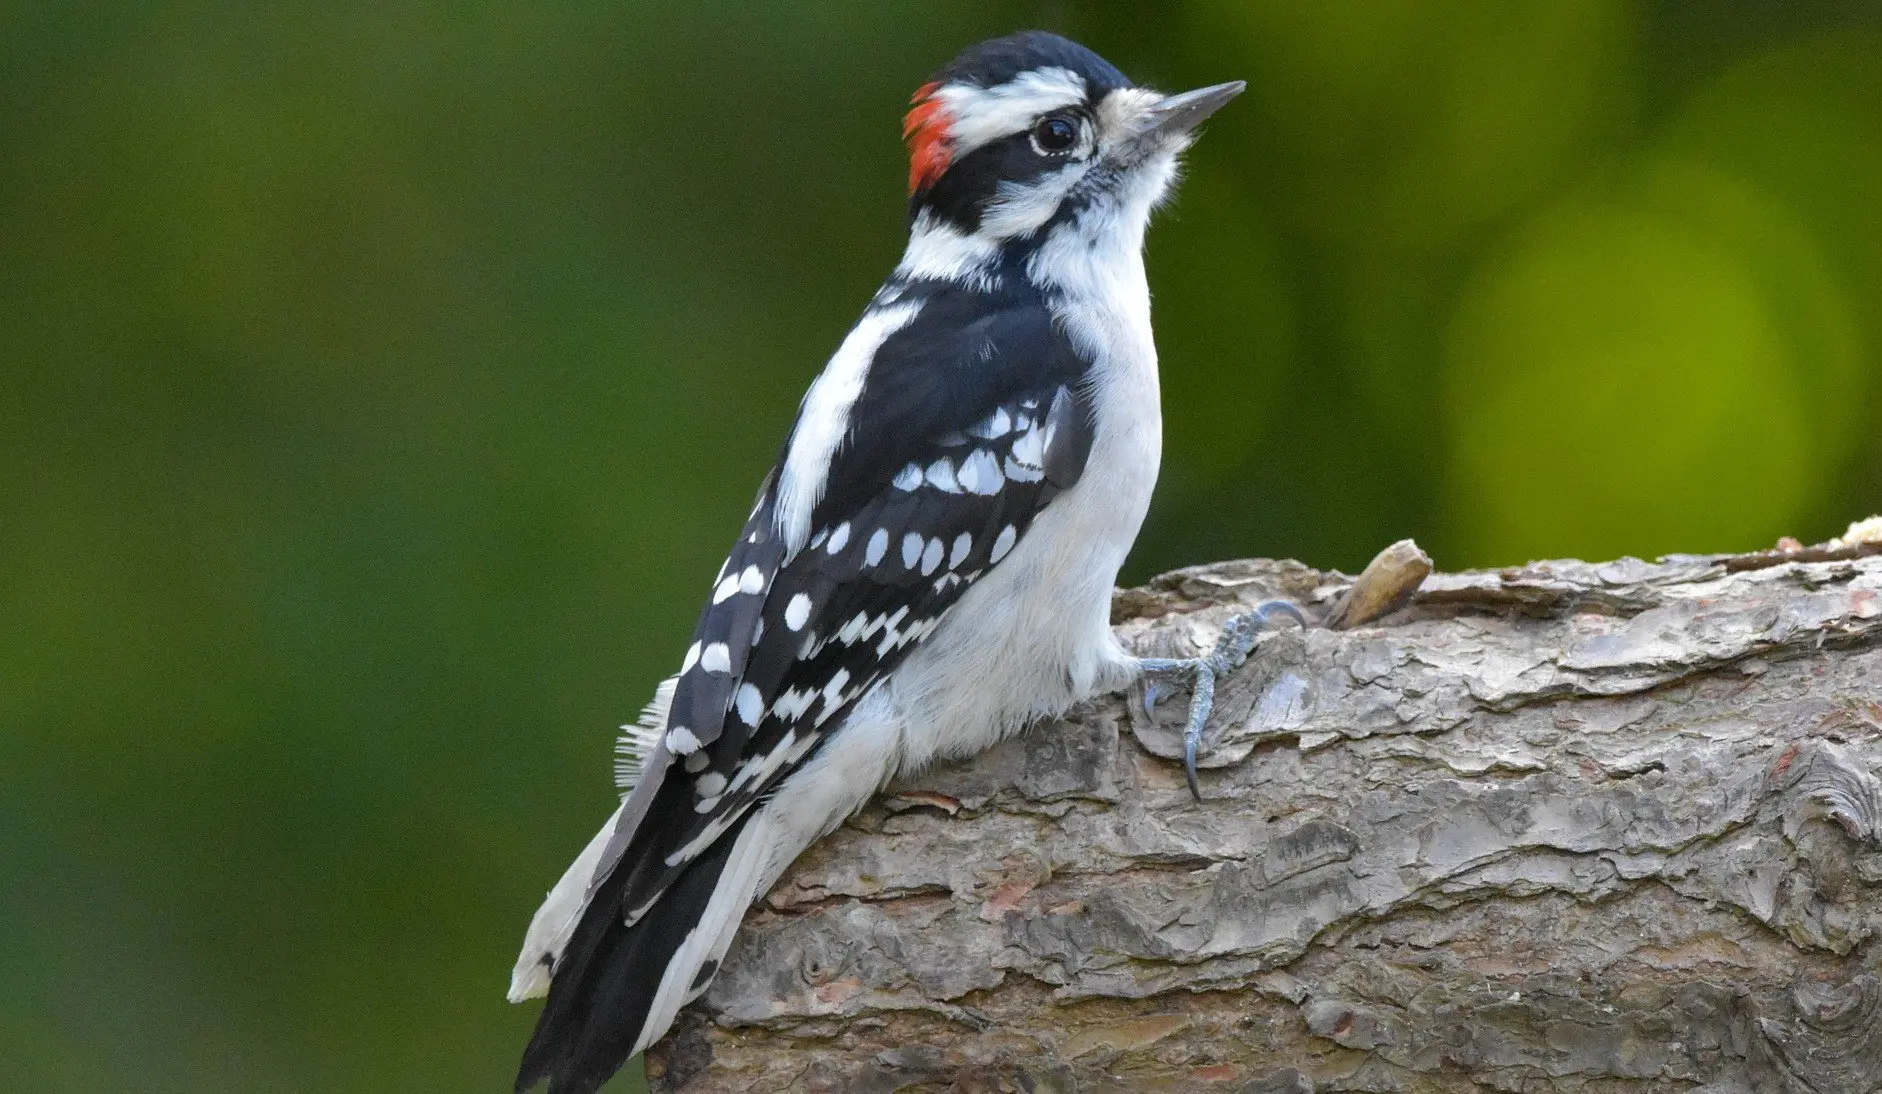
(383, 381)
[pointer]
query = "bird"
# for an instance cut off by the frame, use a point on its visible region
(928, 567)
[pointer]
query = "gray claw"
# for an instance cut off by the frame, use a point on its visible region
(1199, 706)
(1269, 609)
(1233, 648)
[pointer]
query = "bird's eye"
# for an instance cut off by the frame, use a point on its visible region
(1054, 135)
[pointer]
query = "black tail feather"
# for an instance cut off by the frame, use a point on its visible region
(604, 985)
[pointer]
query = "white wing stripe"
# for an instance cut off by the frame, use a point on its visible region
(824, 418)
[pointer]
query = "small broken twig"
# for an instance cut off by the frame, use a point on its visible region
(1387, 582)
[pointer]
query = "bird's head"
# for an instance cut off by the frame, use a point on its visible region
(1020, 136)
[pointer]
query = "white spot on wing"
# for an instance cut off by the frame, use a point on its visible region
(709, 785)
(757, 769)
(911, 549)
(980, 473)
(834, 696)
(963, 543)
(994, 427)
(681, 742)
(725, 590)
(751, 580)
(1003, 543)
(908, 478)
(878, 546)
(839, 538)
(790, 706)
(940, 475)
(1020, 472)
(1029, 447)
(692, 658)
(797, 612)
(931, 556)
(834, 688)
(716, 658)
(891, 637)
(751, 705)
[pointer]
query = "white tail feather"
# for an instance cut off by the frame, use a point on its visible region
(712, 935)
(555, 921)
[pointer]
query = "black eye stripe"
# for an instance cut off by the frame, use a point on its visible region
(976, 178)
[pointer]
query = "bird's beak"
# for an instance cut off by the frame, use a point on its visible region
(1176, 115)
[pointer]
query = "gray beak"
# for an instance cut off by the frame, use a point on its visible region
(1178, 114)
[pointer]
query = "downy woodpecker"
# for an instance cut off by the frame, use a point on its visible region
(928, 567)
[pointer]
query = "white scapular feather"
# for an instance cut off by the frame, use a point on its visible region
(824, 418)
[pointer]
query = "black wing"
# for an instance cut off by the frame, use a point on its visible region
(972, 428)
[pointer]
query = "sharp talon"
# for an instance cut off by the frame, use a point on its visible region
(1189, 766)
(1199, 707)
(1267, 610)
(1233, 648)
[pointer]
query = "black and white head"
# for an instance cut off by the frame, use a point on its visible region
(1024, 137)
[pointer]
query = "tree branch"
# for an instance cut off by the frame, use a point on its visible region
(1568, 827)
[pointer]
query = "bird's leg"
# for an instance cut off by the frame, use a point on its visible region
(1233, 648)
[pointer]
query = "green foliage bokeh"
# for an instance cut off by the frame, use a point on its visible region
(383, 382)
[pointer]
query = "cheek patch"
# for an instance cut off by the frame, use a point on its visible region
(928, 131)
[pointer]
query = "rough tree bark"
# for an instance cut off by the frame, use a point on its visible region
(1568, 827)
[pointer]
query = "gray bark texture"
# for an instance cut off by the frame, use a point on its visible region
(1581, 827)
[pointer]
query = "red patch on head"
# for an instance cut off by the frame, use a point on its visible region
(930, 143)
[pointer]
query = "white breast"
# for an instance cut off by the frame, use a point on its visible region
(1034, 635)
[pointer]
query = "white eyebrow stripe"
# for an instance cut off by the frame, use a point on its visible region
(977, 115)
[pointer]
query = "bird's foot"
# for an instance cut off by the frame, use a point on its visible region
(1233, 648)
